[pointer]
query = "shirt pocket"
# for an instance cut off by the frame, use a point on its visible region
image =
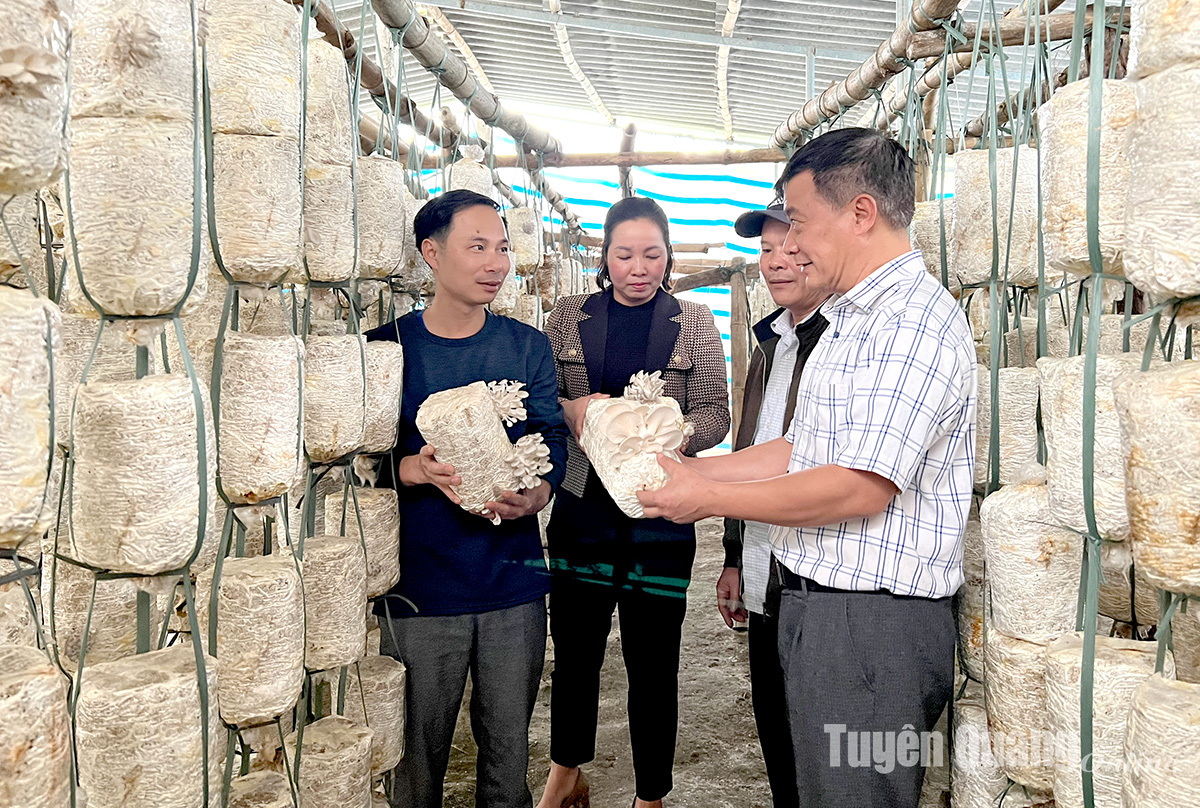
(574, 375)
(820, 424)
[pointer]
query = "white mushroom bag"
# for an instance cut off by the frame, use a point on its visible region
(623, 437)
(465, 425)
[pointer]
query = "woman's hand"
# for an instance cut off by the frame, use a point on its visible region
(515, 504)
(576, 409)
(424, 469)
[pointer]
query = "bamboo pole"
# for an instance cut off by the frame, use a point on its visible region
(870, 75)
(627, 138)
(896, 100)
(712, 276)
(370, 134)
(732, 9)
(1011, 31)
(454, 74)
(434, 13)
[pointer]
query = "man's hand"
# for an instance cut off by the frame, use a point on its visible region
(729, 591)
(575, 409)
(424, 469)
(687, 497)
(515, 504)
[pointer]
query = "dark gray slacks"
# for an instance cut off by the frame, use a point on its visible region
(504, 652)
(871, 663)
(770, 709)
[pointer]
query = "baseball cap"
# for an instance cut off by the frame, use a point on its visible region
(750, 223)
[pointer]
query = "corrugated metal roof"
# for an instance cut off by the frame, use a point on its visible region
(643, 74)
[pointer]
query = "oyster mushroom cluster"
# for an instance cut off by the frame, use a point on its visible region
(623, 437)
(466, 427)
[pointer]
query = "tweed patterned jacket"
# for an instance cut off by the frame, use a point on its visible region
(684, 344)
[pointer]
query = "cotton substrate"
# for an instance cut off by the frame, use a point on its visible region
(525, 237)
(1120, 666)
(415, 275)
(1160, 426)
(466, 427)
(29, 331)
(380, 516)
(1112, 336)
(21, 214)
(254, 67)
(324, 484)
(335, 597)
(1063, 124)
(261, 789)
(385, 383)
(1062, 417)
(112, 632)
(1032, 564)
(335, 764)
(133, 58)
(33, 98)
(1016, 704)
(383, 219)
(972, 244)
(1018, 444)
(1163, 745)
(622, 437)
(131, 214)
(469, 173)
(976, 778)
(35, 735)
(18, 620)
(257, 200)
(969, 601)
(1163, 33)
(134, 502)
(1185, 635)
(260, 449)
(1162, 242)
(378, 683)
(926, 231)
(334, 407)
(138, 728)
(505, 301)
(1121, 597)
(260, 636)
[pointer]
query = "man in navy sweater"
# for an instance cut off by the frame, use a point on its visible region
(478, 588)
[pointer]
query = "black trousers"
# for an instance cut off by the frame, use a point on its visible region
(770, 709)
(651, 627)
(859, 666)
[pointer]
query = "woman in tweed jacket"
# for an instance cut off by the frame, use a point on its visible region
(600, 559)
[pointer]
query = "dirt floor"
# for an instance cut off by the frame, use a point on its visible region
(717, 760)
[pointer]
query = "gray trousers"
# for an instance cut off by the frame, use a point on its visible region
(860, 668)
(504, 652)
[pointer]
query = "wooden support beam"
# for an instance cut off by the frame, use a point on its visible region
(715, 276)
(627, 138)
(650, 159)
(739, 341)
(454, 74)
(1011, 31)
(370, 134)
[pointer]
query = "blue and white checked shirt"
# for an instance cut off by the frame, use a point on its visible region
(890, 388)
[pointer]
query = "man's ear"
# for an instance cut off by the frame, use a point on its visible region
(431, 252)
(866, 213)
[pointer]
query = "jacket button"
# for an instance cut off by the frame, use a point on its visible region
(572, 352)
(675, 359)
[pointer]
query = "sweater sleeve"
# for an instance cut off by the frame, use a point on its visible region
(707, 388)
(543, 412)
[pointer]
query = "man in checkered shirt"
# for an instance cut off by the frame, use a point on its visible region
(870, 487)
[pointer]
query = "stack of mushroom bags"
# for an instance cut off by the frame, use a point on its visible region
(163, 414)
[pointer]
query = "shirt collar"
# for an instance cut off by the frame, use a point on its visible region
(870, 289)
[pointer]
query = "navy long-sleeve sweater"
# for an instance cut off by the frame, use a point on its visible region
(451, 561)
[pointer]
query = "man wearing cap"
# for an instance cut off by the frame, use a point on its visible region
(785, 339)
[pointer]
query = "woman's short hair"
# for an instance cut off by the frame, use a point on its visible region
(628, 210)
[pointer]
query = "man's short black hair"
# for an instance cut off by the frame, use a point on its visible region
(848, 162)
(433, 220)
